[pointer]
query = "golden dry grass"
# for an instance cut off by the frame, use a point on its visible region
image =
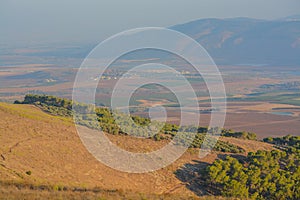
(50, 148)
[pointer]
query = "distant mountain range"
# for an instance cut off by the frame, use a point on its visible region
(244, 41)
(232, 41)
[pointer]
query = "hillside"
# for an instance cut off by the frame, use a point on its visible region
(44, 150)
(244, 41)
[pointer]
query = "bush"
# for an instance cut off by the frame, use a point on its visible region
(28, 173)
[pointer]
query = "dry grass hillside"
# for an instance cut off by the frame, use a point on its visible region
(42, 154)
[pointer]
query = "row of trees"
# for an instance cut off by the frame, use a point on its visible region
(102, 118)
(50, 104)
(286, 141)
(241, 135)
(212, 143)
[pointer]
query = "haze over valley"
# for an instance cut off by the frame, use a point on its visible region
(66, 128)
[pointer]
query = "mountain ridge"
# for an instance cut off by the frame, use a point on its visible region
(247, 41)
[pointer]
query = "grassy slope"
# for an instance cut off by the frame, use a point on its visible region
(48, 146)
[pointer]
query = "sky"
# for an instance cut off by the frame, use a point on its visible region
(37, 21)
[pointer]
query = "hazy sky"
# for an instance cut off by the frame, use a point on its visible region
(37, 21)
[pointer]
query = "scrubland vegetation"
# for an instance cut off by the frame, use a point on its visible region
(257, 175)
(106, 122)
(261, 175)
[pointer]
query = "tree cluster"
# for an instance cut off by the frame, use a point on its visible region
(263, 175)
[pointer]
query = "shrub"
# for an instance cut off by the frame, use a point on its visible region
(28, 173)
